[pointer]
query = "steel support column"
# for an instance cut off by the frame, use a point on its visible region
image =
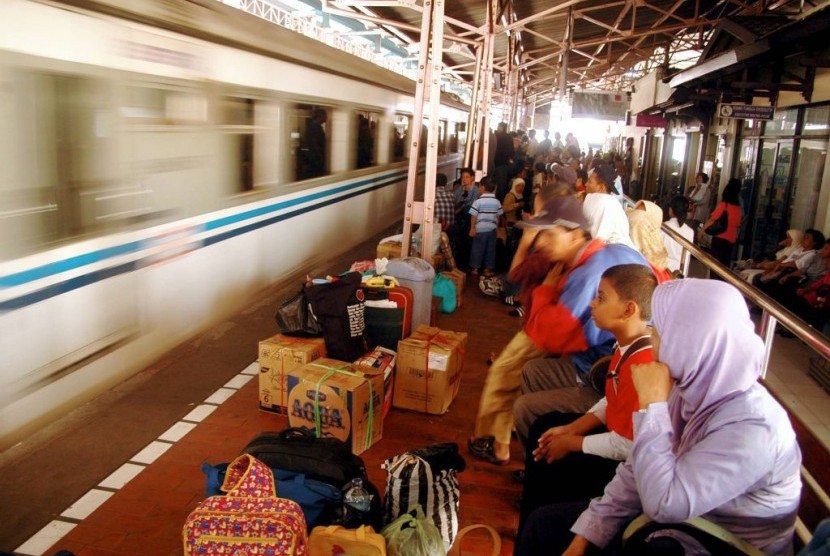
(429, 81)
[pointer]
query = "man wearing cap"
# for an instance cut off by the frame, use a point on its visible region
(601, 180)
(559, 323)
(560, 320)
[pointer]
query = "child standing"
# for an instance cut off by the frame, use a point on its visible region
(571, 457)
(484, 220)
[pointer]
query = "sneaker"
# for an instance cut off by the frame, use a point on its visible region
(511, 300)
(489, 286)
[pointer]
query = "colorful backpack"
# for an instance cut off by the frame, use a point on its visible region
(250, 519)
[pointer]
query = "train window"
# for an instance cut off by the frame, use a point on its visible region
(400, 136)
(366, 133)
(309, 141)
(157, 105)
(237, 115)
(442, 137)
(457, 139)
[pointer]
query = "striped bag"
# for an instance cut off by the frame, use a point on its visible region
(425, 477)
(250, 519)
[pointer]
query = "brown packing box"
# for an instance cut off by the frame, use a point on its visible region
(392, 250)
(432, 390)
(380, 361)
(459, 279)
(342, 395)
(277, 356)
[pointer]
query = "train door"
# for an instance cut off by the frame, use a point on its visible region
(771, 202)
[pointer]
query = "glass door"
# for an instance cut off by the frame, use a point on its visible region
(772, 204)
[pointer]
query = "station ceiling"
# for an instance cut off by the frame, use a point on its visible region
(593, 44)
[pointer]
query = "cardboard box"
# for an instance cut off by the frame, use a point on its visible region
(459, 279)
(429, 390)
(392, 250)
(341, 394)
(279, 355)
(380, 361)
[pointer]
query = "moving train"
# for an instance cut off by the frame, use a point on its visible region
(164, 161)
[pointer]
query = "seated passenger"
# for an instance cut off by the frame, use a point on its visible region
(801, 271)
(810, 302)
(709, 440)
(799, 259)
(573, 456)
(678, 211)
(606, 219)
(749, 268)
(644, 222)
(559, 319)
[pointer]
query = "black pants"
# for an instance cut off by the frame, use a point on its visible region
(574, 478)
(722, 250)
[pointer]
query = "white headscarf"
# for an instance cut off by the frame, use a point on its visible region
(607, 219)
(795, 242)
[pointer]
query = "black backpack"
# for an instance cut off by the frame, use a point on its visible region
(322, 459)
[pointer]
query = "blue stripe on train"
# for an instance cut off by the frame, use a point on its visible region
(102, 254)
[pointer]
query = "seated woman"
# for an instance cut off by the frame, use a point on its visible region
(644, 222)
(749, 268)
(709, 440)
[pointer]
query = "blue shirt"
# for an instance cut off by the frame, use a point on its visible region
(486, 210)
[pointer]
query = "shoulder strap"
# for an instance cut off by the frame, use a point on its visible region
(455, 550)
(639, 343)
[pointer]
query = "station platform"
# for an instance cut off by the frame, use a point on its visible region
(120, 474)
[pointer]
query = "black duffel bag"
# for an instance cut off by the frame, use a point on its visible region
(328, 460)
(295, 317)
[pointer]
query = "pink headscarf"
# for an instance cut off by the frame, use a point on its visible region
(709, 344)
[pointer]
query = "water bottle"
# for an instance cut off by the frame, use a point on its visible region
(357, 497)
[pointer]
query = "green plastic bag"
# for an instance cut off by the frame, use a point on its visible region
(412, 534)
(444, 288)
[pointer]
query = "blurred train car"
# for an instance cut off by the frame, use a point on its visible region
(162, 161)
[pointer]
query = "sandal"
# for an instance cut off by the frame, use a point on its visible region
(483, 448)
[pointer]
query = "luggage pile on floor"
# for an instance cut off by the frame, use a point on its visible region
(294, 493)
(350, 348)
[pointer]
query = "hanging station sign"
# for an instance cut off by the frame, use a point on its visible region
(745, 111)
(650, 120)
(599, 105)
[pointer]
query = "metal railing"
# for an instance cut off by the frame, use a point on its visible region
(772, 312)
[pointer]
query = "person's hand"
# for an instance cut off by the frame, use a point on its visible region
(553, 277)
(652, 382)
(578, 547)
(554, 431)
(472, 233)
(557, 447)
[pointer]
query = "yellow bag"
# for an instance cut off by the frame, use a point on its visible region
(362, 541)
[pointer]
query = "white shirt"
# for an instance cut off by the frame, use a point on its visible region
(674, 249)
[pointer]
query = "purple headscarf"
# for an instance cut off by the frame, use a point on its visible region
(709, 344)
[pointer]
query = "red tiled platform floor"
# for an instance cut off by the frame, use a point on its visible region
(146, 515)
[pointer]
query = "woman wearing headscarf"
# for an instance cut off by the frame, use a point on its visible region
(644, 222)
(607, 219)
(790, 244)
(709, 440)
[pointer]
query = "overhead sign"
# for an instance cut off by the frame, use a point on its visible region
(650, 120)
(745, 111)
(599, 105)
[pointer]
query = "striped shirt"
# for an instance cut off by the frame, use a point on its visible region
(486, 210)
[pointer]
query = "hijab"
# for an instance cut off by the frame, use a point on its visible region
(795, 236)
(644, 228)
(606, 218)
(516, 182)
(709, 344)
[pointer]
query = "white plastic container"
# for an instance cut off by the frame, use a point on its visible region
(418, 275)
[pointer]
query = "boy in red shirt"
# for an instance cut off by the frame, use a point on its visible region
(571, 457)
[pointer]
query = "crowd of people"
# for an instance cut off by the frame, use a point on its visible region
(621, 403)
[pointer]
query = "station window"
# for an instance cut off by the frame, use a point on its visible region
(309, 140)
(237, 119)
(783, 122)
(400, 138)
(366, 132)
(817, 120)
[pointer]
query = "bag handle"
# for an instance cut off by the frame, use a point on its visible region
(296, 433)
(455, 550)
(247, 477)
